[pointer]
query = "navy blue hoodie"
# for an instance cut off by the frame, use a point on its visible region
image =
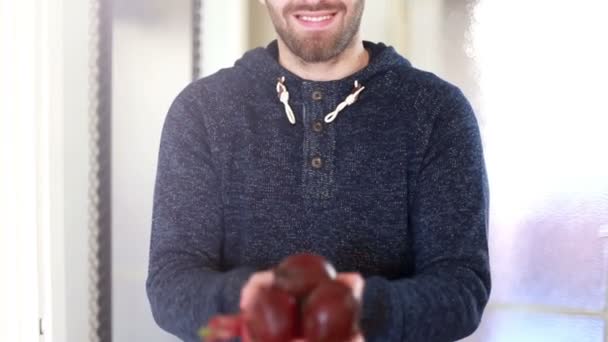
(394, 187)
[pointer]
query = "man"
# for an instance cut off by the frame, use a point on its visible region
(323, 143)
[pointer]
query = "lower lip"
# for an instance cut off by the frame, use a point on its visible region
(316, 25)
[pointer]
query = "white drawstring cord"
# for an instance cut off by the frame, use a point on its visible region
(284, 98)
(350, 99)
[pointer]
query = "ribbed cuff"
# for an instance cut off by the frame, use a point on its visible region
(377, 317)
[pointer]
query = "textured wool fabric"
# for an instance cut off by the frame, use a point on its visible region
(398, 193)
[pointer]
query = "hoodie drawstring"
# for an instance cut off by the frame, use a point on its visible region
(350, 99)
(284, 98)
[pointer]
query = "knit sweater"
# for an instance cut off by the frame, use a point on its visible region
(394, 188)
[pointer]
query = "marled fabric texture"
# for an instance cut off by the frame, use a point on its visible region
(400, 195)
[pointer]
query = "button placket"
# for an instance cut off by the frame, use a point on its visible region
(316, 162)
(319, 143)
(317, 95)
(317, 126)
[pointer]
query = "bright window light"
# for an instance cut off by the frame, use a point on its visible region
(18, 171)
(543, 73)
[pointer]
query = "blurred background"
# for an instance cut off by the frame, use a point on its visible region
(85, 87)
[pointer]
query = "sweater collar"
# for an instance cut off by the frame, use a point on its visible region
(263, 64)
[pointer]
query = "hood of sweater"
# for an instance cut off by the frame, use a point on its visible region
(272, 79)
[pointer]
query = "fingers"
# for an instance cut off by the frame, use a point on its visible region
(353, 280)
(356, 282)
(250, 289)
(249, 292)
(358, 338)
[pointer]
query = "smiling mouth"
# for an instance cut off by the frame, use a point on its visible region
(315, 19)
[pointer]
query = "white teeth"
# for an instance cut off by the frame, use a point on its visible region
(315, 19)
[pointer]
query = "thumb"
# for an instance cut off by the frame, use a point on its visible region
(353, 280)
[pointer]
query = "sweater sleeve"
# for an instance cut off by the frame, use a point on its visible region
(186, 284)
(445, 298)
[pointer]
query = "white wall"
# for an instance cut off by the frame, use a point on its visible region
(386, 21)
(19, 70)
(225, 37)
(75, 167)
(151, 64)
(46, 79)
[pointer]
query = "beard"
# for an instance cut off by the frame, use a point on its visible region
(317, 47)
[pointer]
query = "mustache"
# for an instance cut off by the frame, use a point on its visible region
(320, 6)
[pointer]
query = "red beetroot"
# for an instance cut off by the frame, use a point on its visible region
(273, 316)
(299, 274)
(330, 313)
(304, 301)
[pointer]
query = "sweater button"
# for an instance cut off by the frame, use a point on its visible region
(317, 126)
(317, 95)
(316, 162)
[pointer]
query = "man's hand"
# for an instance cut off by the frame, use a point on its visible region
(356, 282)
(353, 280)
(250, 290)
(252, 287)
(260, 280)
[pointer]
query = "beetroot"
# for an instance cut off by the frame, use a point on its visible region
(299, 274)
(273, 316)
(330, 314)
(304, 301)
